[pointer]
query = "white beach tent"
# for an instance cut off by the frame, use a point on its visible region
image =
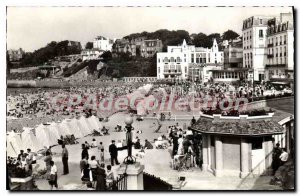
(94, 122)
(65, 129)
(29, 140)
(54, 128)
(14, 144)
(88, 129)
(43, 134)
(83, 127)
(75, 128)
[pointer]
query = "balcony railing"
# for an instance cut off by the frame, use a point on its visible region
(275, 65)
(172, 71)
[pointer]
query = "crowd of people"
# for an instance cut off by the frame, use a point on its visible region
(186, 147)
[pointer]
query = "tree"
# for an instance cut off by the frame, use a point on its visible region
(89, 45)
(229, 35)
(107, 56)
(202, 40)
(216, 36)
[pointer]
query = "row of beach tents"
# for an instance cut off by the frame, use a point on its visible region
(45, 135)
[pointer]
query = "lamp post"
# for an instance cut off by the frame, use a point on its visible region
(129, 159)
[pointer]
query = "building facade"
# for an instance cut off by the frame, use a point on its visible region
(90, 54)
(149, 48)
(254, 44)
(75, 44)
(16, 55)
(268, 47)
(233, 54)
(203, 73)
(124, 46)
(103, 43)
(175, 62)
(280, 48)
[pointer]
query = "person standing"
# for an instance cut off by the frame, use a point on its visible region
(100, 178)
(113, 150)
(29, 158)
(102, 160)
(84, 152)
(53, 176)
(283, 157)
(275, 158)
(110, 177)
(47, 160)
(100, 148)
(82, 163)
(65, 157)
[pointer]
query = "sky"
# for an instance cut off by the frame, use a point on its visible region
(31, 28)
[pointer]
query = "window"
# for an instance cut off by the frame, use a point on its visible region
(172, 59)
(280, 40)
(284, 42)
(185, 69)
(158, 70)
(284, 50)
(159, 60)
(261, 33)
(256, 143)
(166, 60)
(178, 60)
(260, 21)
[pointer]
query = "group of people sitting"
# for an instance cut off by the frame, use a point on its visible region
(67, 140)
(21, 166)
(102, 132)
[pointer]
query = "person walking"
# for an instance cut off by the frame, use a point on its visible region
(53, 176)
(65, 157)
(113, 150)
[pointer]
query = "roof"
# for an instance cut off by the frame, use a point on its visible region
(255, 127)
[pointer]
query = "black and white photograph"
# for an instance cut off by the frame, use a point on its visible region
(150, 98)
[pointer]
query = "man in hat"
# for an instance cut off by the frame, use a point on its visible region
(113, 150)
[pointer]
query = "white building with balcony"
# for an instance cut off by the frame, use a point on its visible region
(254, 35)
(103, 43)
(280, 48)
(175, 62)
